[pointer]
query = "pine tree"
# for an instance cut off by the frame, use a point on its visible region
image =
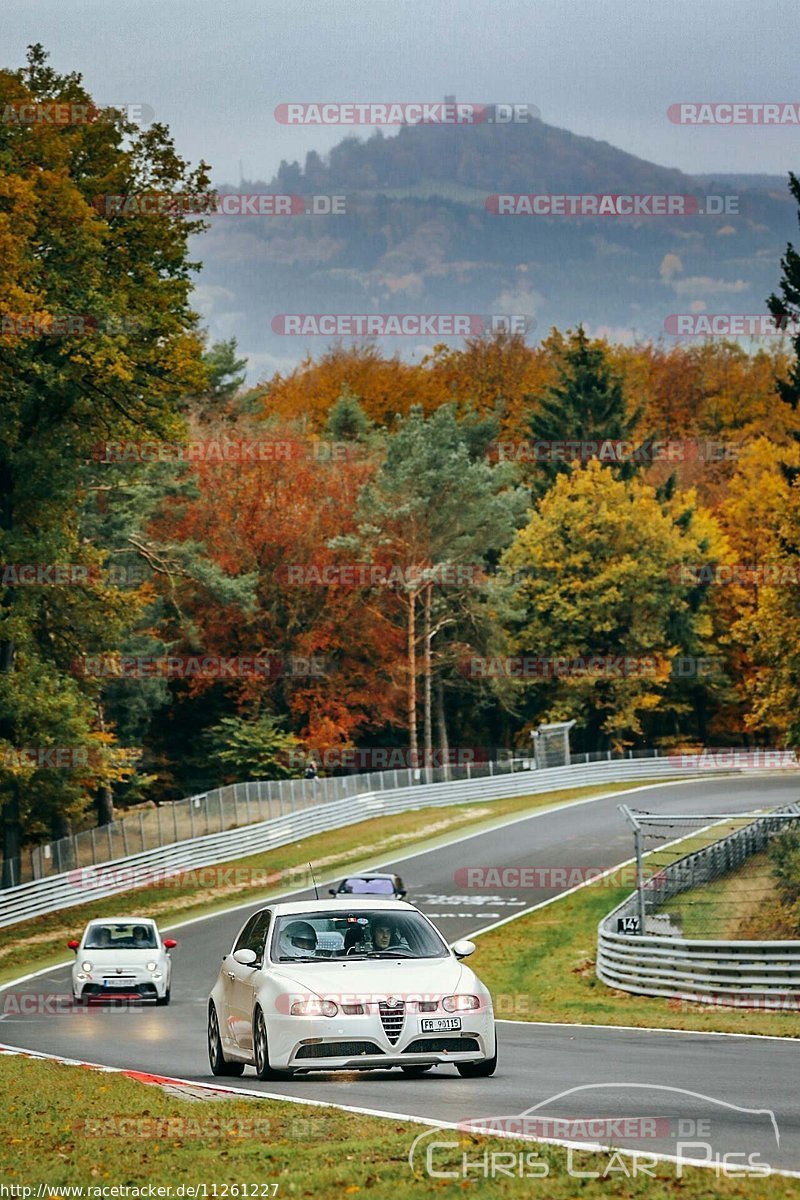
(587, 404)
(786, 306)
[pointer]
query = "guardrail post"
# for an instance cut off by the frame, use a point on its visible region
(110, 841)
(94, 847)
(141, 830)
(125, 839)
(160, 827)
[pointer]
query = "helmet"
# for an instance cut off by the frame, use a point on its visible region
(299, 936)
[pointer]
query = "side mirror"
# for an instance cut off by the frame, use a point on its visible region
(245, 958)
(331, 891)
(73, 944)
(170, 943)
(402, 894)
(463, 948)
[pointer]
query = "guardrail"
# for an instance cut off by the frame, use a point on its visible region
(755, 973)
(238, 804)
(84, 884)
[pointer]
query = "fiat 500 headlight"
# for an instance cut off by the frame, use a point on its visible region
(151, 966)
(460, 1003)
(86, 966)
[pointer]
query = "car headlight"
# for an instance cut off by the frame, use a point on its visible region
(460, 1003)
(87, 966)
(151, 966)
(313, 1008)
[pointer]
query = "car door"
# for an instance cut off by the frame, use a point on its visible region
(245, 979)
(229, 973)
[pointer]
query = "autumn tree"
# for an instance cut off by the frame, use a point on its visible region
(432, 505)
(98, 342)
(595, 572)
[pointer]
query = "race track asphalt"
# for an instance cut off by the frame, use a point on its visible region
(703, 1087)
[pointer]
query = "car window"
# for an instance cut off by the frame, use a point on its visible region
(115, 935)
(243, 940)
(368, 887)
(321, 937)
(257, 935)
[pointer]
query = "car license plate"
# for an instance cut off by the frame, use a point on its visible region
(120, 983)
(439, 1024)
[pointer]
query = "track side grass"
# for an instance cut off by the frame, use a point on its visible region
(63, 1126)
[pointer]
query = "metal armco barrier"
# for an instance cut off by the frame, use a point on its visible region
(84, 884)
(764, 974)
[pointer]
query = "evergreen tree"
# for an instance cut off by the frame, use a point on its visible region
(587, 404)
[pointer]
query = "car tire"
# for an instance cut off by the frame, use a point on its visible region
(417, 1069)
(219, 1064)
(478, 1070)
(261, 1050)
(79, 1001)
(161, 1000)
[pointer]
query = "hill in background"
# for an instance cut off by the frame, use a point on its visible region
(417, 238)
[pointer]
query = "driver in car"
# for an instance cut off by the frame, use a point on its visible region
(298, 940)
(385, 936)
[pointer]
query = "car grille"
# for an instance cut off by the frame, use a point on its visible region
(442, 1045)
(392, 1017)
(337, 1049)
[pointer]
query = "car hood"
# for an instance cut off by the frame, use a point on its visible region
(113, 958)
(376, 977)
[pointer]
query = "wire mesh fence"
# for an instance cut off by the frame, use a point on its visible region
(710, 877)
(220, 809)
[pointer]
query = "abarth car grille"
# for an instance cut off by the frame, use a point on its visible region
(392, 1017)
(337, 1049)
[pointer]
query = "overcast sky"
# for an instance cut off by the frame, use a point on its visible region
(214, 70)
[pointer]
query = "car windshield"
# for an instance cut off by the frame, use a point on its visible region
(367, 887)
(115, 935)
(319, 937)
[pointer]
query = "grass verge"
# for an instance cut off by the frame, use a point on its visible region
(40, 942)
(742, 904)
(63, 1126)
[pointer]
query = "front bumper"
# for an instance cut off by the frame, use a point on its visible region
(138, 984)
(361, 1043)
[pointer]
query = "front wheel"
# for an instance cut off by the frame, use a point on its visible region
(163, 999)
(478, 1070)
(261, 1050)
(219, 1064)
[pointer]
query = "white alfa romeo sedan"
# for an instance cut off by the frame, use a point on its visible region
(122, 957)
(362, 984)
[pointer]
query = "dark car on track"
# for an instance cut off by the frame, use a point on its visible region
(371, 883)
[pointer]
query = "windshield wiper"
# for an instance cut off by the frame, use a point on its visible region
(391, 954)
